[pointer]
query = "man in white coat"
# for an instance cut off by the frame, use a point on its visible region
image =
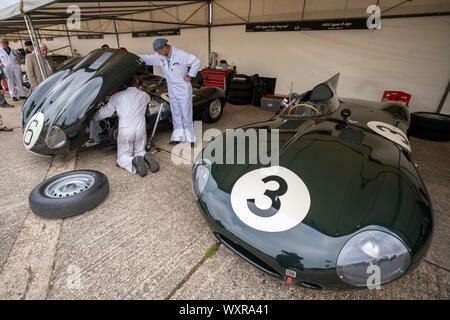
(174, 64)
(130, 105)
(10, 62)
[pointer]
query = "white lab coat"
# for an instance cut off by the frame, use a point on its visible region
(174, 68)
(12, 72)
(130, 106)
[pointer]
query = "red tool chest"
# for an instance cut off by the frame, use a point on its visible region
(215, 78)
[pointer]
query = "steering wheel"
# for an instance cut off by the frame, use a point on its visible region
(303, 105)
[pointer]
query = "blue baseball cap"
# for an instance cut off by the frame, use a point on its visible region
(159, 43)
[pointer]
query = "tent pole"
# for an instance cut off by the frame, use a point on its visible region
(210, 13)
(20, 40)
(444, 97)
(116, 32)
(37, 49)
(68, 38)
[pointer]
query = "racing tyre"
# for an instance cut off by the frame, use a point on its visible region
(431, 121)
(428, 134)
(239, 85)
(240, 93)
(239, 77)
(213, 112)
(240, 101)
(68, 194)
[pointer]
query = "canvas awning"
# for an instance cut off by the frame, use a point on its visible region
(12, 8)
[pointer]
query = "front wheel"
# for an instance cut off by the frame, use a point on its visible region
(213, 112)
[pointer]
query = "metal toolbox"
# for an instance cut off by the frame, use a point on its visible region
(271, 103)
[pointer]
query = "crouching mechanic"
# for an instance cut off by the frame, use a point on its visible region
(174, 64)
(130, 105)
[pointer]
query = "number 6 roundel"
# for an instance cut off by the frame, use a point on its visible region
(33, 130)
(272, 199)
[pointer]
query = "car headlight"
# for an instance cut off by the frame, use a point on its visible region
(200, 176)
(56, 138)
(369, 248)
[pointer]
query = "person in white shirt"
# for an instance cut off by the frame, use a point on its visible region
(174, 64)
(130, 105)
(10, 62)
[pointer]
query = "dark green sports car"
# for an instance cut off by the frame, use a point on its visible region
(57, 116)
(341, 204)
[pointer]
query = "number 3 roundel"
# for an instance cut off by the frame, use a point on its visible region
(272, 199)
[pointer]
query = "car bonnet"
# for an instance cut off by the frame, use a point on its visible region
(73, 93)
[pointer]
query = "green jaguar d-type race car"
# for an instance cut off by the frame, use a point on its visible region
(57, 116)
(342, 206)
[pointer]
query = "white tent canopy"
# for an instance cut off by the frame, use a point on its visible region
(50, 16)
(12, 8)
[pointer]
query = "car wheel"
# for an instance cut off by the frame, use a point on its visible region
(114, 133)
(213, 112)
(68, 194)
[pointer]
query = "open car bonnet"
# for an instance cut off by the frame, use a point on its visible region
(67, 100)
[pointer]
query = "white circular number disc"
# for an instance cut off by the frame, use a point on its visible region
(390, 132)
(33, 130)
(294, 203)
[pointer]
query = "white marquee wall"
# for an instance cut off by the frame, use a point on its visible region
(410, 55)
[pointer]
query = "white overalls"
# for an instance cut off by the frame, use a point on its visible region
(130, 106)
(12, 71)
(174, 68)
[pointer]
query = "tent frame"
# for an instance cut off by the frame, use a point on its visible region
(46, 16)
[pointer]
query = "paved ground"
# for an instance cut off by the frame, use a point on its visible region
(148, 239)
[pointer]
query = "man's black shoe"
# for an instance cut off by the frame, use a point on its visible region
(15, 99)
(23, 98)
(152, 164)
(174, 142)
(139, 163)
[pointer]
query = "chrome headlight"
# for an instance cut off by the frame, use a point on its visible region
(200, 176)
(372, 248)
(56, 138)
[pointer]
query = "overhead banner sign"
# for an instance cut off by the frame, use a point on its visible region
(329, 24)
(156, 33)
(90, 36)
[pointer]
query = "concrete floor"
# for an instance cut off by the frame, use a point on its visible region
(148, 240)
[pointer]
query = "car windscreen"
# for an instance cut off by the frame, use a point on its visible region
(303, 107)
(97, 63)
(100, 60)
